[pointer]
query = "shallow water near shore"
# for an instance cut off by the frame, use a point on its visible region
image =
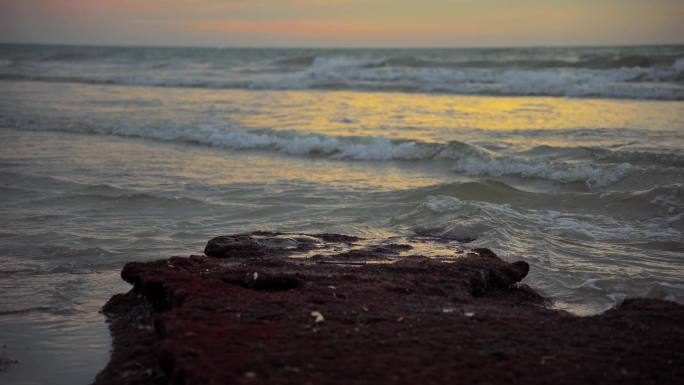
(590, 192)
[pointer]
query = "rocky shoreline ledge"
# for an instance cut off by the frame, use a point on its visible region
(273, 308)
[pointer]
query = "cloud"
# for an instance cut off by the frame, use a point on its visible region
(342, 22)
(290, 28)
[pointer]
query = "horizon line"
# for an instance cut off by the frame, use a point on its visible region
(349, 47)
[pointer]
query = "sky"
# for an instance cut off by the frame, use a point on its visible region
(343, 23)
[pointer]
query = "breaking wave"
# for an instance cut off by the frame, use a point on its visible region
(636, 73)
(592, 175)
(461, 157)
(453, 218)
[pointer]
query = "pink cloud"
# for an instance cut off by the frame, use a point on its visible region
(291, 28)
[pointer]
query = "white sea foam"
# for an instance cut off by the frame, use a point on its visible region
(648, 78)
(362, 148)
(337, 62)
(353, 148)
(594, 176)
(678, 65)
(633, 82)
(457, 217)
(467, 159)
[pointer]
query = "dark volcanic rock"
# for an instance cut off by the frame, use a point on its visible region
(260, 319)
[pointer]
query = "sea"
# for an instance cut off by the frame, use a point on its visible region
(569, 158)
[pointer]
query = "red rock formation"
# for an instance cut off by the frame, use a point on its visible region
(258, 317)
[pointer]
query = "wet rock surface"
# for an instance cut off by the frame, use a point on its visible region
(367, 313)
(5, 360)
(266, 244)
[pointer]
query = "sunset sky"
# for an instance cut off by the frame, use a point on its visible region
(343, 23)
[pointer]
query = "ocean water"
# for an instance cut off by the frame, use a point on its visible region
(569, 158)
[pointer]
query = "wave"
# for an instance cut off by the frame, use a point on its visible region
(662, 159)
(660, 201)
(418, 61)
(486, 190)
(336, 62)
(127, 200)
(594, 176)
(534, 58)
(134, 81)
(515, 73)
(36, 309)
(464, 158)
(361, 148)
(604, 155)
(452, 60)
(619, 84)
(72, 56)
(303, 60)
(454, 218)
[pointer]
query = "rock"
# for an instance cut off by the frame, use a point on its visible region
(259, 244)
(264, 318)
(338, 238)
(248, 245)
(6, 362)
